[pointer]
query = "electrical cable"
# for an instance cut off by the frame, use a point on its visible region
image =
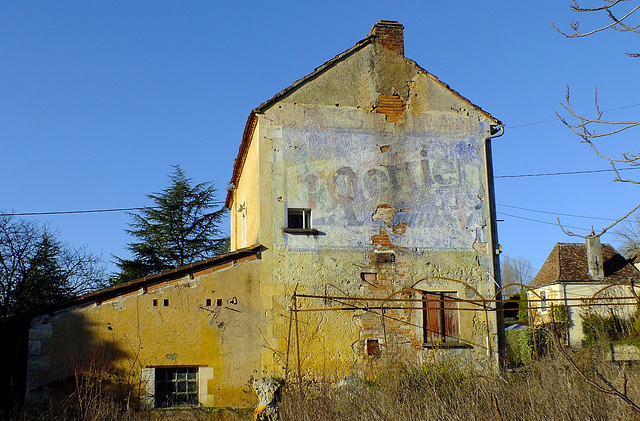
(557, 119)
(543, 222)
(556, 213)
(565, 173)
(75, 212)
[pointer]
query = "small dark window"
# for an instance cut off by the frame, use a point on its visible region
(155, 303)
(373, 348)
(385, 257)
(208, 302)
(299, 218)
(219, 302)
(176, 386)
(166, 302)
(369, 278)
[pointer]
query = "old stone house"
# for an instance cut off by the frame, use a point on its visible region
(587, 279)
(362, 235)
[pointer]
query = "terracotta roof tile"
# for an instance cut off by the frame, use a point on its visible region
(567, 262)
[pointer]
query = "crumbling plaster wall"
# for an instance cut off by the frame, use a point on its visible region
(138, 332)
(388, 159)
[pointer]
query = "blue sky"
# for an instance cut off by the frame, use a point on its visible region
(99, 99)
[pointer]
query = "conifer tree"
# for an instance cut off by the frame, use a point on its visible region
(181, 227)
(37, 270)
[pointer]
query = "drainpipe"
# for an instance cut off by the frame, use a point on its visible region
(569, 312)
(494, 255)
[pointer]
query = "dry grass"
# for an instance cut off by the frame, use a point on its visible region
(548, 390)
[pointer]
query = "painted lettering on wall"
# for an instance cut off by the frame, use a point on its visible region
(344, 175)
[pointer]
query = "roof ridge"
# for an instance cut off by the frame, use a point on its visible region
(559, 263)
(238, 164)
(448, 87)
(315, 73)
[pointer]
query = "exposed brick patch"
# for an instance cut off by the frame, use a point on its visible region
(385, 213)
(392, 106)
(382, 240)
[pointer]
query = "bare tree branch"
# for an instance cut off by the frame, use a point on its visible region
(591, 129)
(618, 24)
(605, 229)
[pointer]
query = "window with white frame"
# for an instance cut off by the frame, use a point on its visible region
(299, 218)
(543, 301)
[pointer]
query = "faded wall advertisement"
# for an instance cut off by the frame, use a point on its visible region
(425, 191)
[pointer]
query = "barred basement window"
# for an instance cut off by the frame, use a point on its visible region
(176, 386)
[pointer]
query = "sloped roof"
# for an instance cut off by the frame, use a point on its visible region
(216, 262)
(567, 262)
(252, 119)
(635, 259)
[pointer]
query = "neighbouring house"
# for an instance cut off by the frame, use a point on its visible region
(363, 234)
(635, 259)
(585, 278)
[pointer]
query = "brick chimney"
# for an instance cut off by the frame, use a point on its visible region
(389, 33)
(594, 257)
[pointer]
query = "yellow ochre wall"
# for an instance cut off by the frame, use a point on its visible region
(246, 200)
(133, 335)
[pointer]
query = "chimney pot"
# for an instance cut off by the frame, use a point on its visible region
(389, 34)
(594, 257)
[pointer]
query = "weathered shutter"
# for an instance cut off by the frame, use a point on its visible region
(450, 312)
(432, 322)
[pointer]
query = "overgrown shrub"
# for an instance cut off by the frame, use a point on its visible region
(636, 321)
(598, 329)
(523, 311)
(531, 350)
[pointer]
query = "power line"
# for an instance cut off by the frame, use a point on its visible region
(543, 222)
(70, 212)
(566, 173)
(76, 212)
(556, 213)
(556, 119)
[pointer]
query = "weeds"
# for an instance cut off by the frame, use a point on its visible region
(555, 387)
(544, 390)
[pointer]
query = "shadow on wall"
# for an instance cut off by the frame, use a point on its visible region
(77, 363)
(13, 348)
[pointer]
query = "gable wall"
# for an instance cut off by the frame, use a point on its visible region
(410, 181)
